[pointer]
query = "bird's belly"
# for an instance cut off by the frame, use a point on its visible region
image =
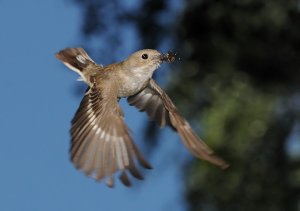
(133, 81)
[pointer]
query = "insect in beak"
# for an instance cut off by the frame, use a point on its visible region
(168, 57)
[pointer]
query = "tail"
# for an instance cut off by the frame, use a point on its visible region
(76, 59)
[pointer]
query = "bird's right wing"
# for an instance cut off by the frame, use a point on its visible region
(160, 108)
(101, 143)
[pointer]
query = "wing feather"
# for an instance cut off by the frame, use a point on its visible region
(160, 108)
(101, 144)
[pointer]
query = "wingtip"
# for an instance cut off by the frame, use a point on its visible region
(124, 179)
(220, 162)
(110, 182)
(214, 159)
(225, 166)
(147, 166)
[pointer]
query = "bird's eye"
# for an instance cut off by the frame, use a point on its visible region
(145, 56)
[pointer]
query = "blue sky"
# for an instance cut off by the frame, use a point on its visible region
(37, 104)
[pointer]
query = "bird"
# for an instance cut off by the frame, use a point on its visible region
(101, 144)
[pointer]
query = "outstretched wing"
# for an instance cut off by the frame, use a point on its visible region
(101, 143)
(160, 108)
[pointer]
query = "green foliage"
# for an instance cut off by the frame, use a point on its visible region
(245, 55)
(238, 112)
(236, 123)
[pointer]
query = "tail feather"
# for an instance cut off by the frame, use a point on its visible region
(76, 59)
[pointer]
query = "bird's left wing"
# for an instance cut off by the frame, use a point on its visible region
(101, 143)
(160, 108)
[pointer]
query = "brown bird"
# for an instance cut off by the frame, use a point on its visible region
(100, 140)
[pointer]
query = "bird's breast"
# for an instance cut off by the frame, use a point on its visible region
(131, 84)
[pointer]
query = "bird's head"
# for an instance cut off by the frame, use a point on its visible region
(147, 60)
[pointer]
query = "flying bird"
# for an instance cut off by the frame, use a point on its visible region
(101, 144)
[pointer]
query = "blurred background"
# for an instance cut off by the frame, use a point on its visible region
(237, 81)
